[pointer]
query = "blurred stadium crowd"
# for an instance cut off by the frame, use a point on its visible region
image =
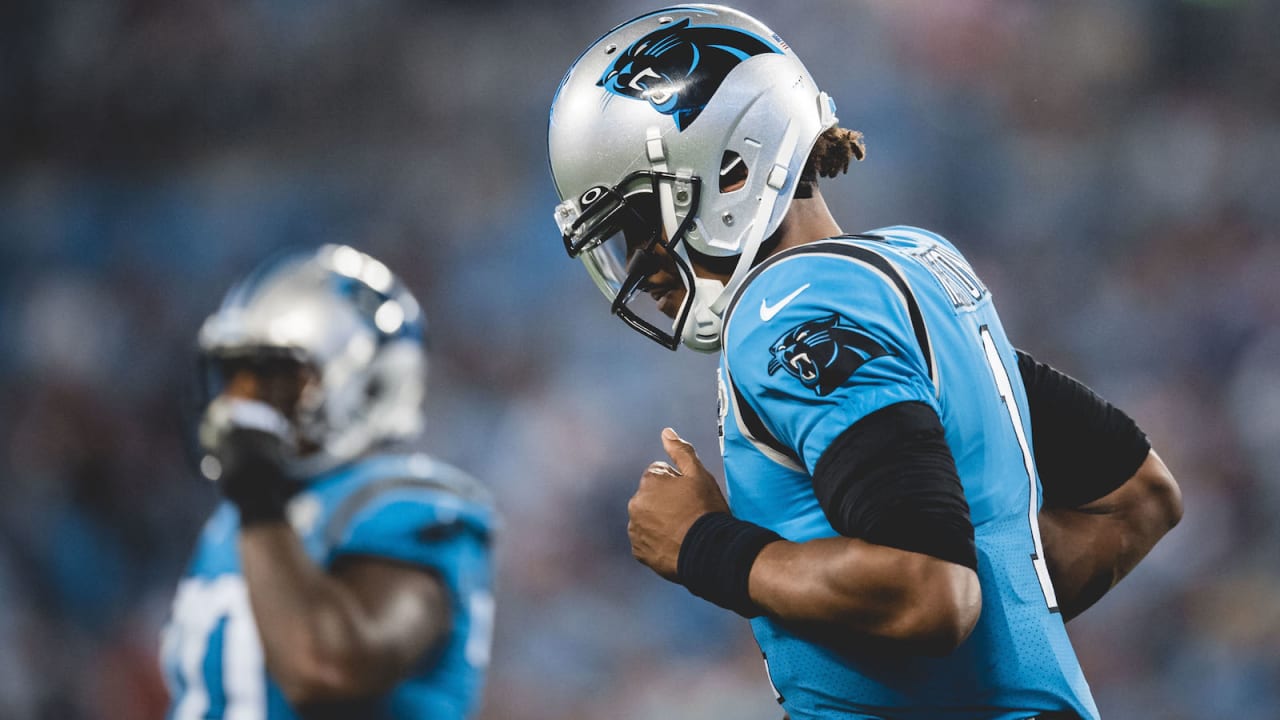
(1110, 167)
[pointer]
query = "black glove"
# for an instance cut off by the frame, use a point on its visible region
(251, 442)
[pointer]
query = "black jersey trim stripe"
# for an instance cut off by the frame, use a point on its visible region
(756, 431)
(774, 259)
(833, 246)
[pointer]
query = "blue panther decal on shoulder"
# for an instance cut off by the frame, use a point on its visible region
(677, 68)
(822, 354)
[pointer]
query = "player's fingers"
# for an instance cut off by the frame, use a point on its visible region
(685, 457)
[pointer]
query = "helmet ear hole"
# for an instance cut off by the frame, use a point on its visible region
(733, 172)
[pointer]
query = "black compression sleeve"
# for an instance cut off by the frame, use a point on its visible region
(890, 479)
(1085, 447)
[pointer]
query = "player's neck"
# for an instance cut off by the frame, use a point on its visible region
(808, 220)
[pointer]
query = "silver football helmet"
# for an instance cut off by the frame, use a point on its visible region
(346, 317)
(688, 128)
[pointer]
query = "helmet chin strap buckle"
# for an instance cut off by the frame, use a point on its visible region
(702, 328)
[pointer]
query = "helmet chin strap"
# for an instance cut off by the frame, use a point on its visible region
(710, 297)
(702, 330)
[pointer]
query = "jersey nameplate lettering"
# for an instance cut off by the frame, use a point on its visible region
(955, 275)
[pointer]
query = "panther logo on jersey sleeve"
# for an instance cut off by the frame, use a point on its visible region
(822, 354)
(678, 68)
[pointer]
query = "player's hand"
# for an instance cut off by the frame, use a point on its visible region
(252, 443)
(667, 503)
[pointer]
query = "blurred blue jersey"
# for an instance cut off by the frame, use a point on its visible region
(819, 337)
(407, 509)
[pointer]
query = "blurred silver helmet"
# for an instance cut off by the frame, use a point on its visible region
(344, 315)
(686, 127)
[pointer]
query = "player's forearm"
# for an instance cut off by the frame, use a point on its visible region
(310, 625)
(925, 604)
(1083, 557)
(1091, 548)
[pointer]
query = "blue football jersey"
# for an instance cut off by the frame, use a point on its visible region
(822, 335)
(405, 508)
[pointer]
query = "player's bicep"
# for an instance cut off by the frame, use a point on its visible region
(439, 545)
(405, 608)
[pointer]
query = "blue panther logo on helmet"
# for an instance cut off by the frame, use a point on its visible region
(677, 68)
(822, 354)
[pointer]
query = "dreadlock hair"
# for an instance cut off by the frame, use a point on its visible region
(830, 156)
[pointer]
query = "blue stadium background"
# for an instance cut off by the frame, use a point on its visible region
(1109, 166)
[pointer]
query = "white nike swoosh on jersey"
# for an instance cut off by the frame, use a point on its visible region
(767, 313)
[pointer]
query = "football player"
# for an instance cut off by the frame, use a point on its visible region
(338, 579)
(914, 507)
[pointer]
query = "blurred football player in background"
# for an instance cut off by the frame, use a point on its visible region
(337, 579)
(887, 450)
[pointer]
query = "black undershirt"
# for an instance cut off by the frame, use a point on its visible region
(1085, 447)
(890, 479)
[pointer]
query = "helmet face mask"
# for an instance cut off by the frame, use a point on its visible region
(683, 94)
(618, 233)
(282, 377)
(333, 341)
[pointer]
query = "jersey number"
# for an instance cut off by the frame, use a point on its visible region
(211, 653)
(1005, 387)
(480, 634)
